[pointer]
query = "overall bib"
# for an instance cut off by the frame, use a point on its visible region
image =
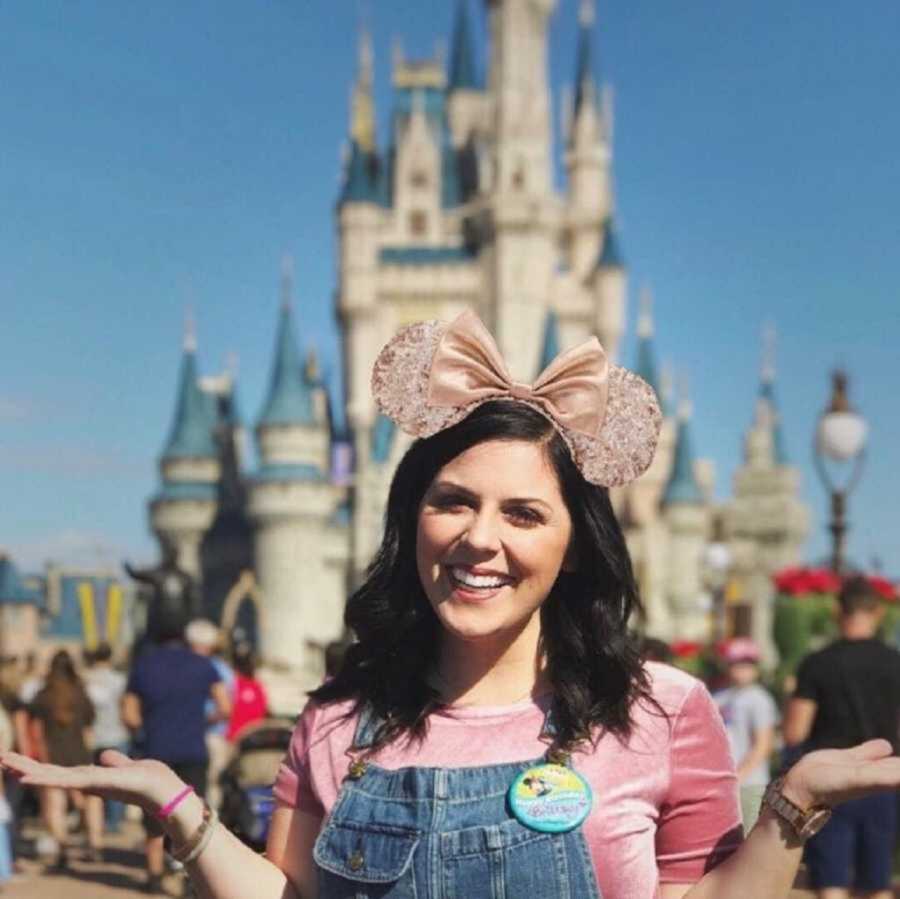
(442, 833)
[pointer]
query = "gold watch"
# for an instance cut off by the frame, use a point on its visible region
(805, 822)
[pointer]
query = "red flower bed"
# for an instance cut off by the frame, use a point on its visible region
(805, 581)
(686, 649)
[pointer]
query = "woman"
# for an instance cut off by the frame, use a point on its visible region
(63, 714)
(493, 732)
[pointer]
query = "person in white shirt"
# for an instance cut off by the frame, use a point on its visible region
(105, 687)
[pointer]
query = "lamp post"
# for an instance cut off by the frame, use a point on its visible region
(840, 437)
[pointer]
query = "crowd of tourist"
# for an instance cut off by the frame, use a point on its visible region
(179, 699)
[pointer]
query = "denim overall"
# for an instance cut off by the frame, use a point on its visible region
(442, 833)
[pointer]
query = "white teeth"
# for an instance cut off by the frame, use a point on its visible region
(483, 581)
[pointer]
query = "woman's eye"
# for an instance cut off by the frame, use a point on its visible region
(524, 515)
(449, 503)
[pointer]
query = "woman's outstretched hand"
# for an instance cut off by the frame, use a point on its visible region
(831, 776)
(146, 782)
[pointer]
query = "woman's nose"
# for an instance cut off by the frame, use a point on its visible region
(482, 533)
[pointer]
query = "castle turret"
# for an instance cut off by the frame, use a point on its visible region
(365, 190)
(186, 504)
(766, 522)
(644, 496)
(587, 158)
(291, 504)
(550, 347)
(522, 219)
(686, 514)
(466, 101)
(609, 285)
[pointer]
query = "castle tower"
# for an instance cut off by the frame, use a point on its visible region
(292, 505)
(185, 506)
(644, 496)
(587, 158)
(686, 513)
(609, 286)
(359, 224)
(522, 214)
(466, 108)
(766, 523)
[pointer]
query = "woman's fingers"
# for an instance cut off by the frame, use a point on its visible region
(871, 750)
(112, 758)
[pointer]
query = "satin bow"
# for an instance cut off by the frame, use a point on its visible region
(467, 368)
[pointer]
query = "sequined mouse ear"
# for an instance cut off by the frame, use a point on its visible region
(400, 380)
(614, 447)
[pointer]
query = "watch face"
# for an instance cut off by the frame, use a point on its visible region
(816, 821)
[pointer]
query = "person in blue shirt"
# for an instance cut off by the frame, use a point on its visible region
(166, 699)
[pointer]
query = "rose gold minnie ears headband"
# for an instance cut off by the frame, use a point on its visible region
(431, 375)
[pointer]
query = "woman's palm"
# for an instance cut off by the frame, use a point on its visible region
(139, 782)
(831, 776)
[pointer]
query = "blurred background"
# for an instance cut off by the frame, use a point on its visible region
(160, 163)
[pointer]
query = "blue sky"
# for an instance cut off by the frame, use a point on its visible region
(156, 156)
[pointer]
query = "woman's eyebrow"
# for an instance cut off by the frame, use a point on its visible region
(458, 488)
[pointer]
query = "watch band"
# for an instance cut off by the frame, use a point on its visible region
(805, 822)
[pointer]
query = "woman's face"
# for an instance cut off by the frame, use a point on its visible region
(493, 533)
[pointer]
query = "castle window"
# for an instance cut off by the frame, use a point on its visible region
(419, 179)
(418, 223)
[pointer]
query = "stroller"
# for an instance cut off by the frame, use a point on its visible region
(247, 800)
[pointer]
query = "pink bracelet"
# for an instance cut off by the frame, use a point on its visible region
(173, 804)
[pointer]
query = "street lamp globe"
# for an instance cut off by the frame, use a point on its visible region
(842, 432)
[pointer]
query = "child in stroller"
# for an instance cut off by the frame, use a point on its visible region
(247, 800)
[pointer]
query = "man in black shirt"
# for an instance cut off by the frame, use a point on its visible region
(846, 694)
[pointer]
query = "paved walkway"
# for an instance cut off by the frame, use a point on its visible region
(119, 876)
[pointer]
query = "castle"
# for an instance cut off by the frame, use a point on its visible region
(458, 208)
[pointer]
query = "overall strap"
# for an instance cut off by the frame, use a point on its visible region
(366, 727)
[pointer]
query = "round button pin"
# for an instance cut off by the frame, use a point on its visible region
(550, 798)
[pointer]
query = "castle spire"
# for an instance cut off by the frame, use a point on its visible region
(550, 346)
(610, 254)
(289, 401)
(682, 487)
(645, 366)
(767, 394)
(361, 171)
(463, 74)
(585, 89)
(191, 434)
(362, 115)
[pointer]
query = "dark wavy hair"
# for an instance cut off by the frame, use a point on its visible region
(594, 668)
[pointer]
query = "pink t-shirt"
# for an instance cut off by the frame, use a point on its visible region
(665, 804)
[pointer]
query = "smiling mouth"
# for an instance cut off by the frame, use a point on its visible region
(476, 583)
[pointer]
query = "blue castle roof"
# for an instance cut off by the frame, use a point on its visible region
(463, 74)
(12, 590)
(645, 363)
(682, 487)
(779, 449)
(288, 471)
(382, 438)
(584, 72)
(361, 178)
(290, 398)
(191, 435)
(610, 254)
(425, 255)
(550, 346)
